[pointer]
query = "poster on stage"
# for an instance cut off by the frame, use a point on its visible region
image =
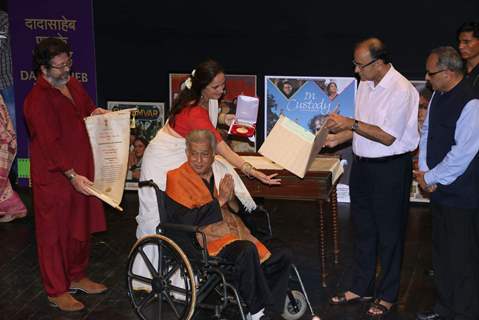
(418, 195)
(145, 122)
(109, 139)
(307, 101)
(235, 85)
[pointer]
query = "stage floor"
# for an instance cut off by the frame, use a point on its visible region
(22, 297)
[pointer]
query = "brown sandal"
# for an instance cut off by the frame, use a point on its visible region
(383, 310)
(340, 299)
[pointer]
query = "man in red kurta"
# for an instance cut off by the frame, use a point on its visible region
(61, 169)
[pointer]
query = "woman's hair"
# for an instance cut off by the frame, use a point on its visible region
(330, 84)
(46, 50)
(201, 77)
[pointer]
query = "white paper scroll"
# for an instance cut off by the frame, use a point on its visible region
(110, 139)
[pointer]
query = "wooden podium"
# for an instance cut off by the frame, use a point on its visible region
(319, 185)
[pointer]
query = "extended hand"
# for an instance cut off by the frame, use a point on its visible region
(81, 183)
(229, 118)
(99, 111)
(419, 176)
(270, 180)
(338, 123)
(332, 140)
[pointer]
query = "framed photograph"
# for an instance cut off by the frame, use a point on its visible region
(144, 124)
(235, 85)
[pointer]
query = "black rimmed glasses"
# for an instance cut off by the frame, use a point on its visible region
(429, 73)
(67, 64)
(362, 66)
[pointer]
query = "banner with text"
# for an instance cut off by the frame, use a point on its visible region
(32, 21)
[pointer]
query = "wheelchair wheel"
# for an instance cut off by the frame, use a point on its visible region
(294, 306)
(168, 291)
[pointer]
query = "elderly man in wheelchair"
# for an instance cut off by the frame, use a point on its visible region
(204, 249)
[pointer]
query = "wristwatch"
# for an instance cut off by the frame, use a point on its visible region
(71, 175)
(355, 125)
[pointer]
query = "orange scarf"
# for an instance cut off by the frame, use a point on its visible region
(186, 187)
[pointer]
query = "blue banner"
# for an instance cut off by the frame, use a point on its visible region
(30, 22)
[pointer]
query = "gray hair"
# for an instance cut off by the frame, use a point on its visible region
(202, 135)
(449, 58)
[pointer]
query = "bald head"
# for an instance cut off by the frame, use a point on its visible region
(376, 48)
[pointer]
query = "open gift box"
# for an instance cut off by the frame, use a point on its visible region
(246, 115)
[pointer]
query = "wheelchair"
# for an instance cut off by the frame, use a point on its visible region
(185, 282)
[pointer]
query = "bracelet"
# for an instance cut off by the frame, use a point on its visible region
(246, 168)
(71, 175)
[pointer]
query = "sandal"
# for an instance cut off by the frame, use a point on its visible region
(383, 310)
(340, 299)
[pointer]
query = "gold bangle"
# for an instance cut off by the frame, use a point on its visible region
(246, 168)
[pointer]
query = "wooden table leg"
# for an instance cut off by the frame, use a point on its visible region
(334, 216)
(322, 245)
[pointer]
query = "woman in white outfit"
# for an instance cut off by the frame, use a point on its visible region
(167, 150)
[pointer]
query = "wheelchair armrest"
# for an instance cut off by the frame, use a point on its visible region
(182, 228)
(258, 222)
(178, 227)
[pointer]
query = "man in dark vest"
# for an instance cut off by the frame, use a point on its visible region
(468, 43)
(449, 169)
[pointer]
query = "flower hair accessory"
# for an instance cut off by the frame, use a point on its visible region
(188, 83)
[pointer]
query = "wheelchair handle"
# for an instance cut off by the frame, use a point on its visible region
(148, 183)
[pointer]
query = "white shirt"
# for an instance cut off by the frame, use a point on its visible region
(392, 105)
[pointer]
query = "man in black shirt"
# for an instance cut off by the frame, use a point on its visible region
(468, 41)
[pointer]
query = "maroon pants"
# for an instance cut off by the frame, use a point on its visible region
(62, 262)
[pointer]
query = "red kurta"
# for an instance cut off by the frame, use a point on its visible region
(58, 142)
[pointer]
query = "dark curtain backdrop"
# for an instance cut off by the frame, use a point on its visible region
(139, 42)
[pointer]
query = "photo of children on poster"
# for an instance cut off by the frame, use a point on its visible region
(145, 121)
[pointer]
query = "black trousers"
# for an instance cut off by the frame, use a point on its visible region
(455, 254)
(379, 209)
(259, 285)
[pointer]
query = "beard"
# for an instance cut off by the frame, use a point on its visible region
(58, 81)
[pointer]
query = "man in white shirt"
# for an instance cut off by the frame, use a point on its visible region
(384, 132)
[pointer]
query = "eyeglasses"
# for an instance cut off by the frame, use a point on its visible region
(362, 66)
(67, 64)
(429, 73)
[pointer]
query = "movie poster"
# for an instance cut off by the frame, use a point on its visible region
(235, 85)
(308, 101)
(144, 124)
